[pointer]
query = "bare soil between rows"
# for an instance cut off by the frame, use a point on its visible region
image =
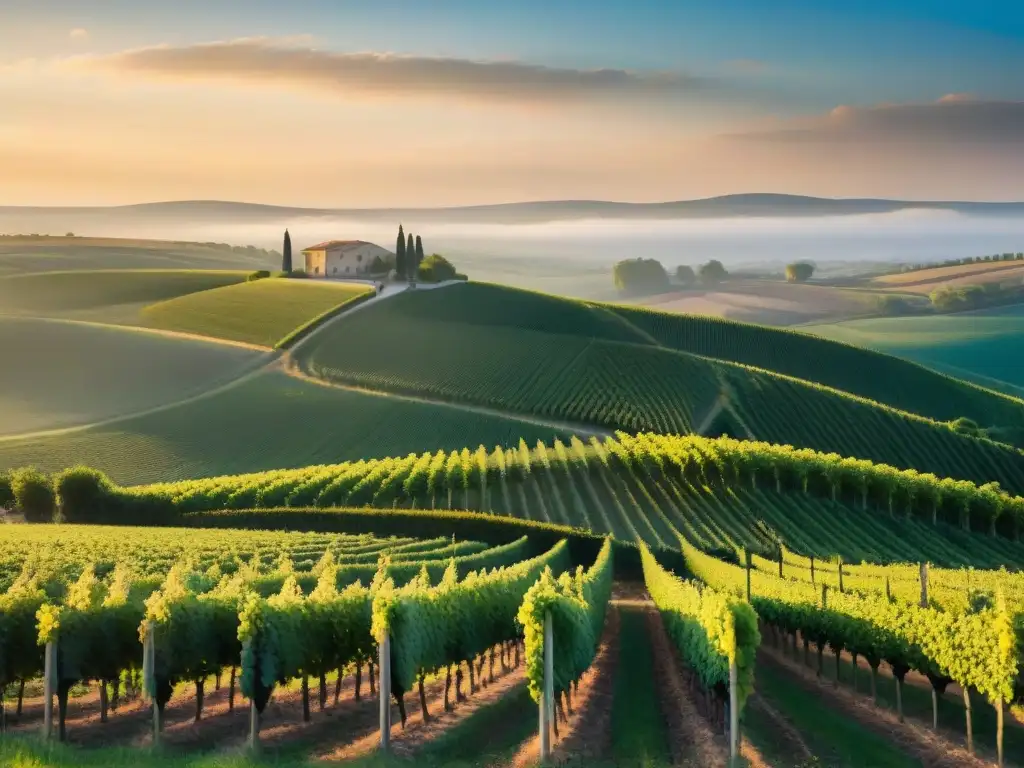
(340, 731)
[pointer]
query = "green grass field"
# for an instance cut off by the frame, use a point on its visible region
(262, 312)
(63, 293)
(987, 346)
(577, 362)
(47, 254)
(269, 422)
(59, 374)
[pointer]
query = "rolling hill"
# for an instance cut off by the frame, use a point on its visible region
(726, 206)
(534, 354)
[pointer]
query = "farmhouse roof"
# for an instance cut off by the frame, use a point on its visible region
(334, 244)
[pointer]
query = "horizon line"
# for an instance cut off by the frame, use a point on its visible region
(508, 204)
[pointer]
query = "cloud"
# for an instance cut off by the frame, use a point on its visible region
(78, 34)
(265, 60)
(955, 119)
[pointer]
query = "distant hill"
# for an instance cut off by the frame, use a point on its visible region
(727, 206)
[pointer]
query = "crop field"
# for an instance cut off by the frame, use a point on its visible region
(67, 293)
(59, 374)
(987, 345)
(851, 366)
(635, 387)
(476, 477)
(927, 280)
(205, 600)
(64, 552)
(53, 254)
(768, 302)
(267, 422)
(649, 488)
(264, 312)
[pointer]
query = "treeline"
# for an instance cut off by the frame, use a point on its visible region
(640, 276)
(962, 262)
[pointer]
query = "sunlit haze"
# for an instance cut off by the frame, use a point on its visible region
(368, 104)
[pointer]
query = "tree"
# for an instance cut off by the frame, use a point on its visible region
(286, 253)
(799, 272)
(640, 276)
(400, 254)
(410, 258)
(685, 275)
(713, 272)
(419, 254)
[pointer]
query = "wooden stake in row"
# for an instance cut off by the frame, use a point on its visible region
(547, 698)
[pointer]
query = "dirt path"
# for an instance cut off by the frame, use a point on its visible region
(268, 362)
(691, 738)
(785, 734)
(346, 730)
(923, 744)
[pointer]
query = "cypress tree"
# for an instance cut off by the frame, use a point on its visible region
(410, 258)
(286, 251)
(419, 255)
(400, 254)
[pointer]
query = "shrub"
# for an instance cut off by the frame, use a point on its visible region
(297, 274)
(83, 495)
(33, 494)
(893, 305)
(6, 492)
(435, 269)
(259, 274)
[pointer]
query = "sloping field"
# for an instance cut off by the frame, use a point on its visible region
(58, 374)
(927, 280)
(769, 302)
(630, 386)
(721, 494)
(62, 293)
(854, 369)
(268, 422)
(47, 254)
(263, 312)
(988, 344)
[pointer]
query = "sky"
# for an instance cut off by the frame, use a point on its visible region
(380, 103)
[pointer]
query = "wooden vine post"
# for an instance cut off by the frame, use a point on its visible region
(384, 689)
(49, 687)
(149, 677)
(547, 693)
(924, 585)
(747, 563)
(812, 569)
(840, 574)
(734, 714)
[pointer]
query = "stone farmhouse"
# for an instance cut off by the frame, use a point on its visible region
(344, 258)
